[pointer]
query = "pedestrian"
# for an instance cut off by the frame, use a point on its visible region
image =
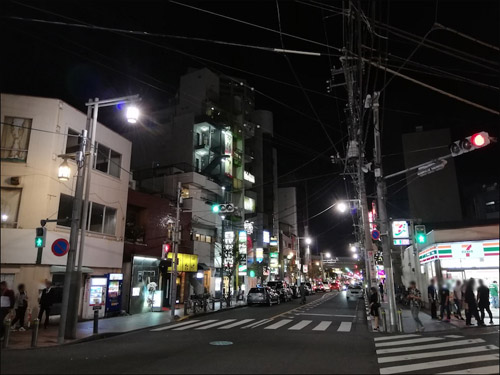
(415, 298)
(302, 290)
(381, 288)
(432, 296)
(46, 301)
(444, 300)
(463, 289)
(494, 294)
(374, 306)
(7, 300)
(483, 300)
(471, 305)
(21, 304)
(457, 300)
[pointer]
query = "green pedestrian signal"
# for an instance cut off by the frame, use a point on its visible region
(215, 208)
(420, 234)
(40, 237)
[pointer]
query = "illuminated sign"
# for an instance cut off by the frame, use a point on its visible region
(116, 276)
(274, 241)
(242, 242)
(249, 177)
(228, 150)
(400, 229)
(273, 255)
(479, 250)
(265, 235)
(187, 262)
(304, 268)
(403, 241)
(249, 204)
(259, 254)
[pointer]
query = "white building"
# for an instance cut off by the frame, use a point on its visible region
(34, 132)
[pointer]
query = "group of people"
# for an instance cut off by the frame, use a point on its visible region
(16, 304)
(463, 296)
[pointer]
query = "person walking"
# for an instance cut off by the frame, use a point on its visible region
(7, 301)
(374, 306)
(302, 290)
(46, 301)
(415, 298)
(444, 300)
(381, 289)
(21, 304)
(457, 300)
(471, 305)
(494, 294)
(432, 295)
(483, 300)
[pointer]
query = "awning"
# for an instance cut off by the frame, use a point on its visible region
(62, 269)
(203, 267)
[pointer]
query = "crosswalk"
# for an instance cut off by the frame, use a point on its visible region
(266, 324)
(451, 354)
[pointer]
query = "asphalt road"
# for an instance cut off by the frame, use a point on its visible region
(328, 335)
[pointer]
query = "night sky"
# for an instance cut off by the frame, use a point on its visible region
(75, 64)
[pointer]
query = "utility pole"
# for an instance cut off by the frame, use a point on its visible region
(173, 275)
(73, 237)
(384, 220)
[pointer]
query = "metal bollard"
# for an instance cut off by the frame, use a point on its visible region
(186, 308)
(384, 321)
(34, 333)
(400, 321)
(6, 335)
(213, 304)
(205, 303)
(96, 322)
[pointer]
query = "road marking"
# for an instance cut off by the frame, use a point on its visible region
(300, 325)
(195, 325)
(409, 357)
(339, 316)
(256, 324)
(454, 336)
(174, 326)
(394, 337)
(443, 363)
(217, 324)
(279, 324)
(404, 342)
(241, 322)
(477, 370)
(345, 327)
(322, 326)
(429, 346)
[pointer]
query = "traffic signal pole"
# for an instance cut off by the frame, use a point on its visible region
(173, 275)
(73, 237)
(383, 217)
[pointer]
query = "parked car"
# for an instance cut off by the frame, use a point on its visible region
(320, 287)
(282, 289)
(262, 295)
(310, 289)
(335, 286)
(354, 291)
(326, 286)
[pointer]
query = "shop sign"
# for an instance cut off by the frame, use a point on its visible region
(242, 242)
(249, 177)
(304, 268)
(249, 204)
(265, 235)
(273, 255)
(274, 241)
(259, 254)
(400, 229)
(187, 262)
(459, 250)
(228, 240)
(228, 150)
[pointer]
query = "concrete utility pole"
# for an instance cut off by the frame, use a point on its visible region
(73, 237)
(173, 275)
(383, 218)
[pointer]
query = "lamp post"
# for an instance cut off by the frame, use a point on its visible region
(308, 242)
(132, 114)
(328, 256)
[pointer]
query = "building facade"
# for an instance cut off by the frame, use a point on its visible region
(34, 132)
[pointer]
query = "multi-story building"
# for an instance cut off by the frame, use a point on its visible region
(34, 132)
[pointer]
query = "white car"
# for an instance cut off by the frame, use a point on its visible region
(354, 291)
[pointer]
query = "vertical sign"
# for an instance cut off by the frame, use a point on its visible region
(242, 247)
(228, 150)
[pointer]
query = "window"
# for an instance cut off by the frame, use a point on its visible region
(202, 238)
(10, 207)
(15, 138)
(208, 239)
(107, 160)
(197, 237)
(73, 141)
(100, 218)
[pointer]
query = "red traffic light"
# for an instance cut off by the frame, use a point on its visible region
(480, 139)
(166, 248)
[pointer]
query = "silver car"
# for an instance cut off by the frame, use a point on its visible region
(262, 295)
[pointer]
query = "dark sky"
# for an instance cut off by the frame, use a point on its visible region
(75, 64)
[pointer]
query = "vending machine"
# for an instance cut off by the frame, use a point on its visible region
(95, 296)
(114, 294)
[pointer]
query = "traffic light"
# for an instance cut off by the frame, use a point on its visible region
(167, 247)
(471, 143)
(223, 208)
(215, 208)
(420, 234)
(41, 233)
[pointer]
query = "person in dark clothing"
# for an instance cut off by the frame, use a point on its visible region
(46, 301)
(444, 300)
(470, 300)
(432, 295)
(7, 303)
(374, 306)
(381, 288)
(302, 289)
(21, 305)
(483, 300)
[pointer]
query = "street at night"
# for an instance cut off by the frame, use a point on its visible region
(250, 187)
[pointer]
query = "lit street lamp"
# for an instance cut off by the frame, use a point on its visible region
(308, 241)
(64, 172)
(327, 255)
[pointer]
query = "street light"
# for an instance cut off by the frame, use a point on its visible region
(308, 241)
(64, 172)
(342, 207)
(354, 248)
(355, 256)
(132, 114)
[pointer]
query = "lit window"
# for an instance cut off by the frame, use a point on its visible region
(202, 238)
(208, 239)
(197, 237)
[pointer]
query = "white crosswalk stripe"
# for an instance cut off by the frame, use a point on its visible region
(174, 326)
(279, 324)
(323, 326)
(409, 353)
(300, 325)
(217, 324)
(256, 324)
(345, 327)
(236, 324)
(194, 325)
